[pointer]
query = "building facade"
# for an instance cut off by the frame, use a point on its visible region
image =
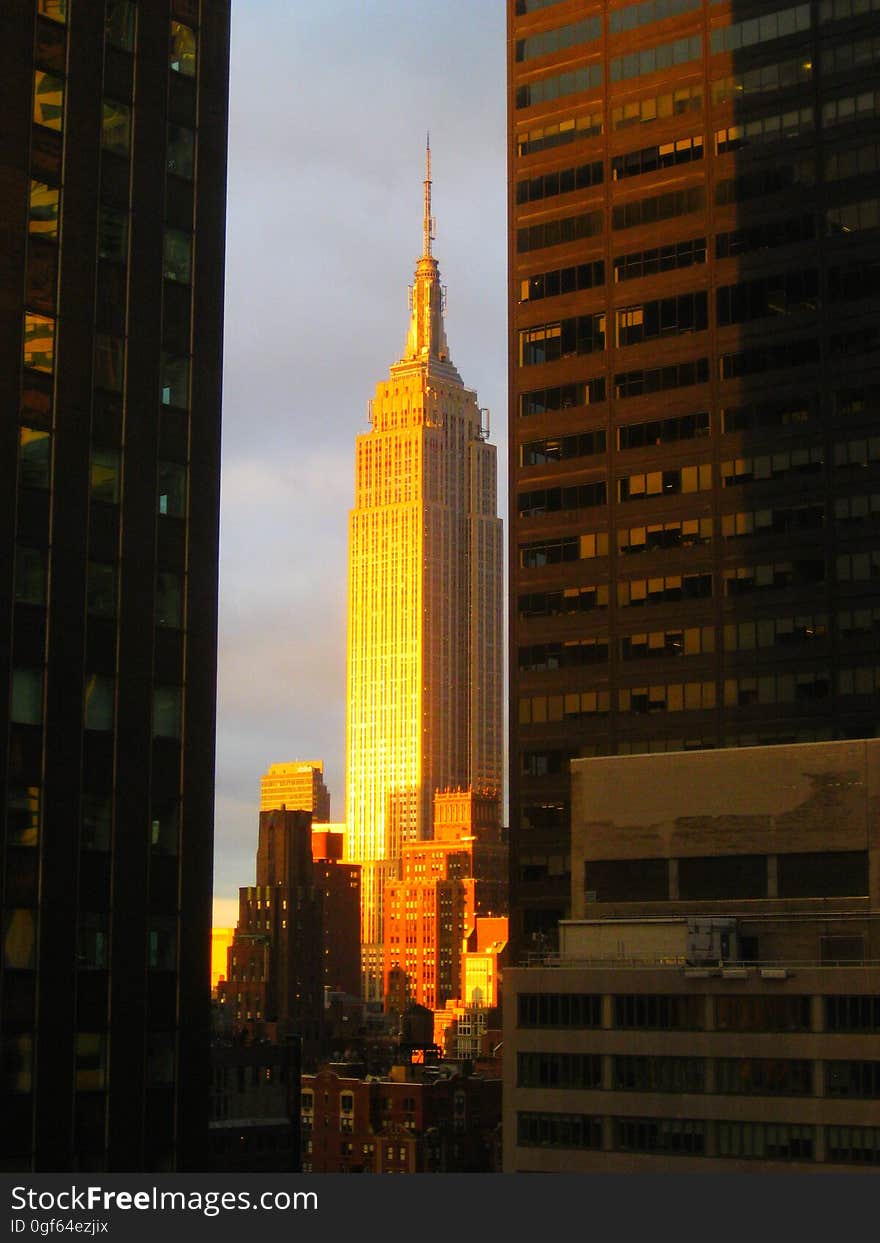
(445, 884)
(713, 1006)
(112, 207)
(298, 786)
(424, 605)
(694, 363)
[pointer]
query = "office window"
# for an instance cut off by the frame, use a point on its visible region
(169, 599)
(167, 703)
(116, 127)
(54, 9)
(44, 210)
(182, 50)
(178, 255)
(172, 489)
(35, 457)
(174, 381)
(106, 475)
(181, 151)
(26, 707)
(113, 234)
(91, 1061)
(48, 100)
(101, 589)
(39, 342)
(100, 693)
(765, 1141)
(119, 24)
(671, 1136)
(109, 362)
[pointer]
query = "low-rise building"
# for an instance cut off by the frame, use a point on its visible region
(715, 1004)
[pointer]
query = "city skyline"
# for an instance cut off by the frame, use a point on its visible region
(290, 700)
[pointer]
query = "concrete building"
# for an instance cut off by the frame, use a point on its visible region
(694, 379)
(298, 786)
(446, 883)
(714, 1004)
(112, 215)
(424, 605)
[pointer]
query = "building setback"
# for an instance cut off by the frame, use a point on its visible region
(112, 207)
(424, 606)
(694, 374)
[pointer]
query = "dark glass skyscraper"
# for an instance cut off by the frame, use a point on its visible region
(112, 203)
(694, 295)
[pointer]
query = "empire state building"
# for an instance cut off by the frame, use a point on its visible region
(424, 604)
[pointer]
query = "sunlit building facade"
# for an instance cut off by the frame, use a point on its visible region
(112, 215)
(694, 320)
(424, 600)
(298, 786)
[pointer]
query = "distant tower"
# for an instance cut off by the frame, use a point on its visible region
(298, 786)
(424, 604)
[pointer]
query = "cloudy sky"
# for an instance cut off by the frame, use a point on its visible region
(328, 115)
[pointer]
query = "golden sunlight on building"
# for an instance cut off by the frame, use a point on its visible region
(221, 939)
(424, 605)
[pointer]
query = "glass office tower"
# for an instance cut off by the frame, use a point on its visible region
(694, 324)
(112, 201)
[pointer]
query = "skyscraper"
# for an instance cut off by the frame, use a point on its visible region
(424, 604)
(694, 390)
(298, 786)
(112, 204)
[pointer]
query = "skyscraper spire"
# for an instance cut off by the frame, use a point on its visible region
(426, 253)
(426, 339)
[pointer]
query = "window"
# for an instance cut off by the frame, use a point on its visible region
(672, 1136)
(101, 589)
(562, 397)
(30, 575)
(559, 1010)
(655, 59)
(552, 1130)
(570, 130)
(54, 9)
(99, 696)
(92, 942)
(113, 234)
(762, 1014)
(753, 1076)
(39, 342)
(172, 490)
(650, 262)
(565, 181)
(27, 696)
(658, 207)
(760, 29)
(559, 38)
(559, 232)
(119, 24)
(105, 476)
(35, 452)
(558, 85)
(181, 151)
(561, 281)
(43, 213)
(167, 702)
(96, 817)
(660, 1012)
(116, 127)
(659, 1074)
(91, 1061)
(169, 599)
(764, 1141)
(174, 381)
(48, 100)
(657, 107)
(109, 362)
(650, 159)
(178, 255)
(182, 50)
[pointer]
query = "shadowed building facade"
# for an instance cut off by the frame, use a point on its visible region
(694, 353)
(112, 207)
(424, 605)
